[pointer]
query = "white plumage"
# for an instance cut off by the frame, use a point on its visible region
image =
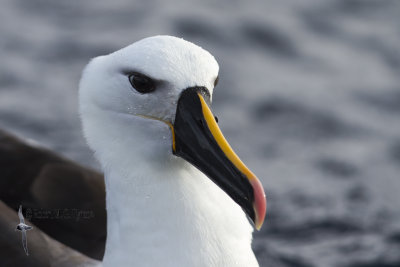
(161, 210)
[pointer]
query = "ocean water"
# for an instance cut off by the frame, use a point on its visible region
(309, 97)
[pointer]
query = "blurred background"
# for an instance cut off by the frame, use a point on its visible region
(309, 97)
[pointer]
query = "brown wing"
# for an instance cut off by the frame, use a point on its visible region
(54, 189)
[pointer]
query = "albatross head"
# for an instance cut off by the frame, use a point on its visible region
(151, 100)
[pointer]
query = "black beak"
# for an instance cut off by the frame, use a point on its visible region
(198, 139)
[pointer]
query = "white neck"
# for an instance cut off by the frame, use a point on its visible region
(179, 218)
(162, 211)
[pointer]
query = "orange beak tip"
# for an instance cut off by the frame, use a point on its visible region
(260, 203)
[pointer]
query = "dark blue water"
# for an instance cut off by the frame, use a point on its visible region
(309, 97)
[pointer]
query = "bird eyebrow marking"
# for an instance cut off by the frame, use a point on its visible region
(127, 72)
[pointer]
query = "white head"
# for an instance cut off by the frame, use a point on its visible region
(128, 105)
(106, 94)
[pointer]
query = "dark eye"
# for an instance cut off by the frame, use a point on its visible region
(142, 83)
(216, 81)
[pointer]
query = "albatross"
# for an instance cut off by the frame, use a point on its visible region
(176, 192)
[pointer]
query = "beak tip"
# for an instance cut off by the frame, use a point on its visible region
(259, 204)
(259, 222)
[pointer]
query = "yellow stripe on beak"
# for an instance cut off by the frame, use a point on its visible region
(259, 195)
(223, 144)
